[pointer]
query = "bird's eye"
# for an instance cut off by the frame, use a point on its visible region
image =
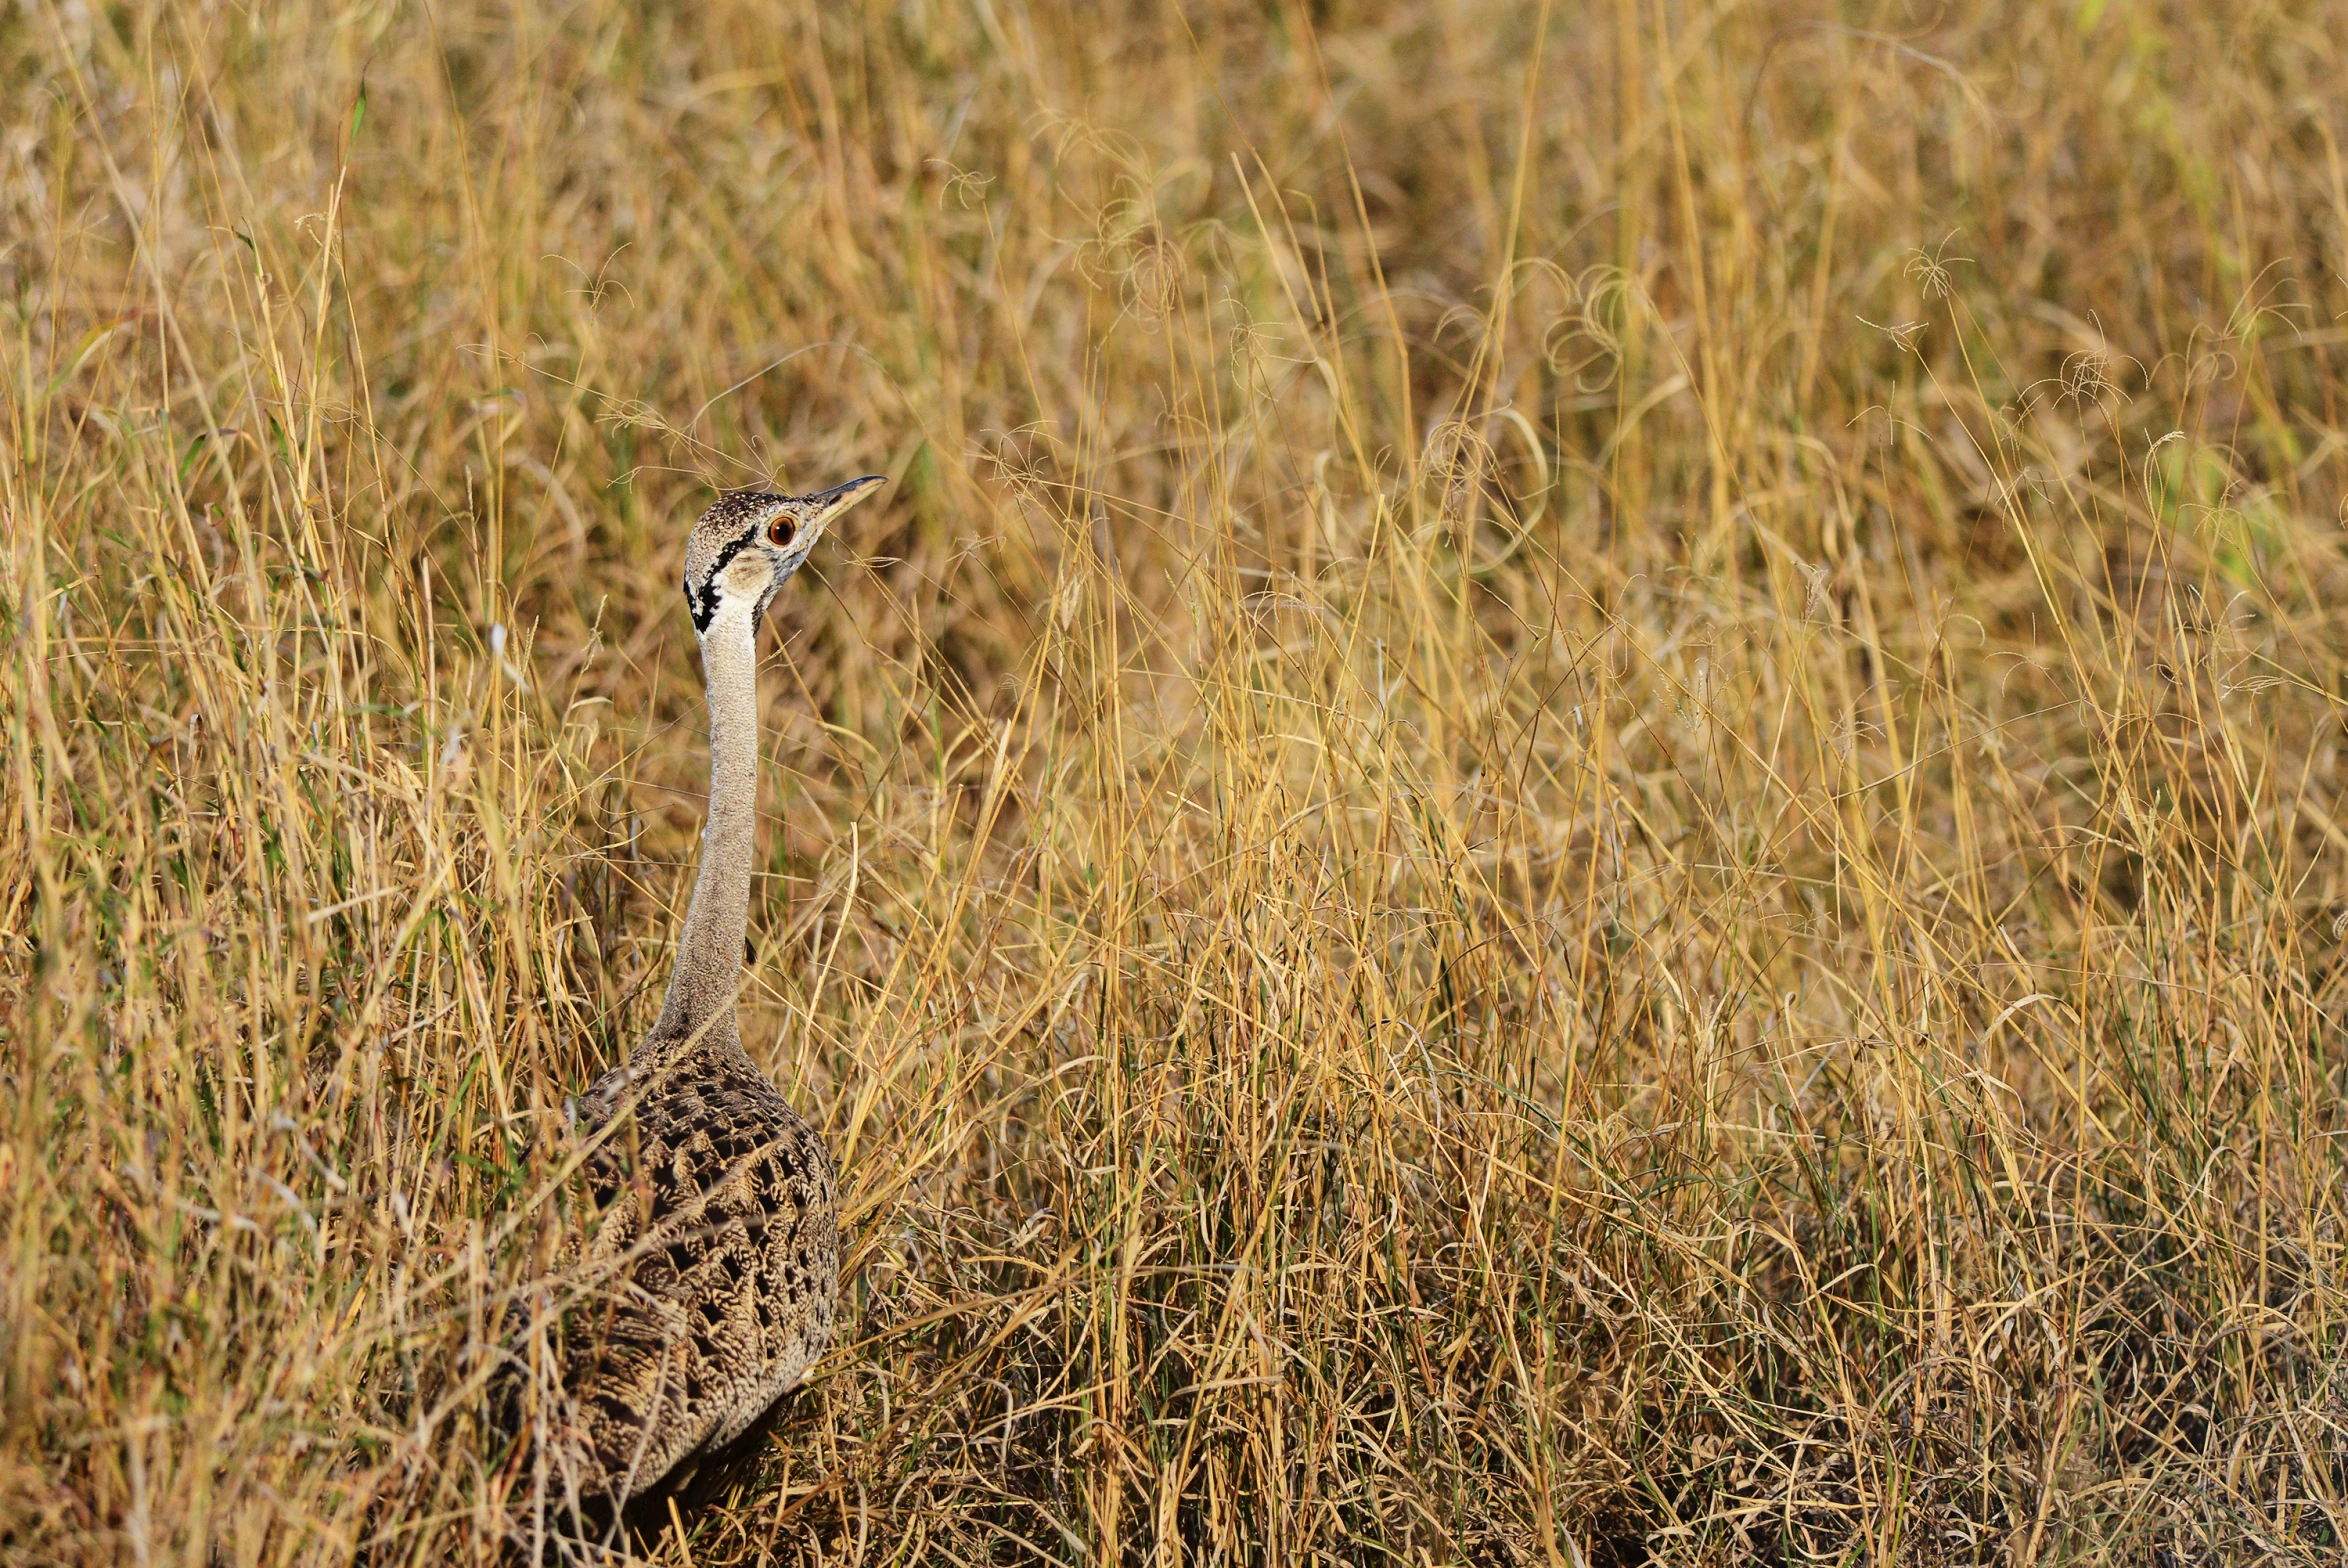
(781, 529)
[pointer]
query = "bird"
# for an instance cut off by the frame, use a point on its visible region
(707, 1282)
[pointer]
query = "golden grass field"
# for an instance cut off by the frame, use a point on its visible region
(1581, 805)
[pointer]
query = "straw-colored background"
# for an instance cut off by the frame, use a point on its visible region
(1581, 803)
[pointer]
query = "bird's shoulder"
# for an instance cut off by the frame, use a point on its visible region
(696, 1142)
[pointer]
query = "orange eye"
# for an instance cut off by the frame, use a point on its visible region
(781, 529)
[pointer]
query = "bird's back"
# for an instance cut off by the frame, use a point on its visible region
(713, 1269)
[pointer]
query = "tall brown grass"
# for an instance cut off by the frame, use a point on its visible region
(1583, 803)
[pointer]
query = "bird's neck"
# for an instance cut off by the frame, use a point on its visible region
(709, 954)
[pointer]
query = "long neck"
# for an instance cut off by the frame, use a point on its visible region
(709, 954)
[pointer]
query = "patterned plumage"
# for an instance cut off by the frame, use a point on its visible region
(719, 1236)
(708, 1281)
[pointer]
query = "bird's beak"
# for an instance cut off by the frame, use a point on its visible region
(828, 504)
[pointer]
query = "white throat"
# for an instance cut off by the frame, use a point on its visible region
(709, 952)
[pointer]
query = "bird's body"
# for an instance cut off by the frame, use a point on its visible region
(707, 1283)
(719, 1234)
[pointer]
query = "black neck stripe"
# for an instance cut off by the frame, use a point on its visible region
(704, 608)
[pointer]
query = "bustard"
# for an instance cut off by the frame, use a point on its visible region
(713, 1268)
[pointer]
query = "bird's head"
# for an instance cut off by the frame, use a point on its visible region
(748, 543)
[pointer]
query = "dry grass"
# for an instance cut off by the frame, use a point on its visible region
(1583, 802)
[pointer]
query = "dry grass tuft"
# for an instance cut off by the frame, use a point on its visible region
(1582, 805)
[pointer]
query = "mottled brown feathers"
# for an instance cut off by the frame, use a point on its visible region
(716, 1258)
